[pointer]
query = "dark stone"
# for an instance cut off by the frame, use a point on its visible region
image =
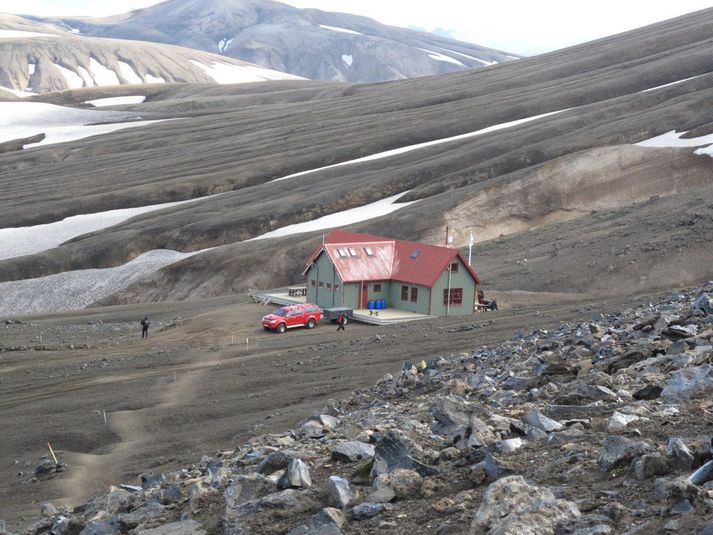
(45, 468)
(702, 475)
(648, 392)
(708, 530)
(540, 421)
(627, 359)
(620, 451)
(649, 322)
(367, 510)
(171, 495)
(681, 508)
(275, 461)
(111, 526)
(651, 465)
(680, 453)
(391, 453)
(326, 522)
(353, 451)
(584, 394)
(703, 306)
(677, 332)
(149, 479)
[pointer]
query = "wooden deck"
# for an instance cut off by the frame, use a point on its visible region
(385, 316)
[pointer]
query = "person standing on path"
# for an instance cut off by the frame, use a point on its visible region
(341, 320)
(145, 327)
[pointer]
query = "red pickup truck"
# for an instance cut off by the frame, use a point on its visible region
(289, 316)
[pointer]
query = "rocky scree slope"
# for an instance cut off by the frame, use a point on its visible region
(601, 426)
(309, 43)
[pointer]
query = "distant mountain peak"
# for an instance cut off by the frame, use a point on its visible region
(309, 43)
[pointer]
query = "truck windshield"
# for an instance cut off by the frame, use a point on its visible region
(280, 312)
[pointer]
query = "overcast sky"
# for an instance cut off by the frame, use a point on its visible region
(518, 26)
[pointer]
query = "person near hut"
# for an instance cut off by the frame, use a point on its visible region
(145, 327)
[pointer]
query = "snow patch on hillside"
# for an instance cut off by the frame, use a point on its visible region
(227, 73)
(484, 62)
(73, 290)
(673, 139)
(337, 29)
(671, 83)
(129, 73)
(348, 59)
(441, 57)
(102, 75)
(74, 81)
(409, 148)
(99, 75)
(115, 101)
(340, 219)
(21, 241)
(223, 44)
(151, 79)
(84, 73)
(19, 34)
(25, 119)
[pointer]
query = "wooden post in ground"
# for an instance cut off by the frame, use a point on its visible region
(54, 457)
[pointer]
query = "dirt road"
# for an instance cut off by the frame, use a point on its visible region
(207, 379)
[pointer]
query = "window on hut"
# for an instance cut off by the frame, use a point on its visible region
(456, 296)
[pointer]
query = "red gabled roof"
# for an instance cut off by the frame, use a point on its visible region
(390, 259)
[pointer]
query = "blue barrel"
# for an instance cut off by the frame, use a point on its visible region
(382, 303)
(372, 304)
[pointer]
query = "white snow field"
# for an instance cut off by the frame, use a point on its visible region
(483, 61)
(74, 81)
(19, 34)
(673, 139)
(102, 75)
(59, 124)
(227, 73)
(223, 44)
(409, 148)
(129, 74)
(346, 217)
(673, 83)
(20, 241)
(73, 290)
(114, 101)
(151, 79)
(441, 57)
(337, 29)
